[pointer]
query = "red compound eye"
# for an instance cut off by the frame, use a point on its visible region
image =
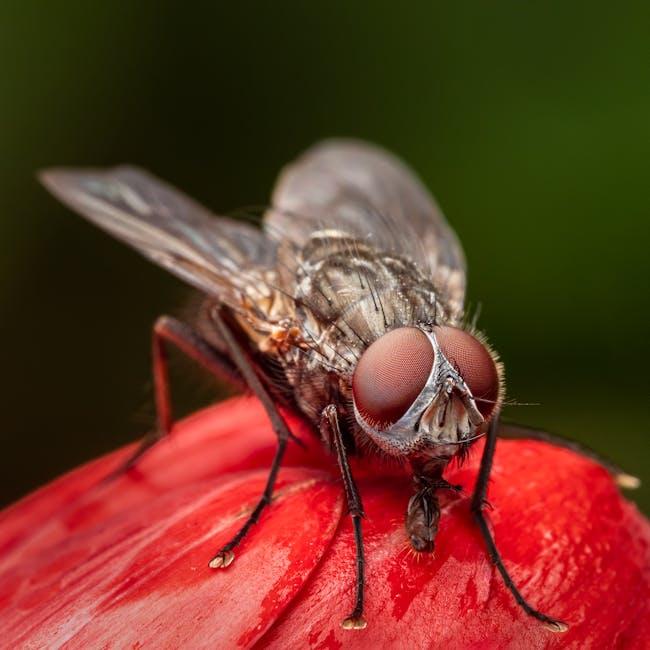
(474, 363)
(391, 374)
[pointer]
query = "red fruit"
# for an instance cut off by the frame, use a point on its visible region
(124, 564)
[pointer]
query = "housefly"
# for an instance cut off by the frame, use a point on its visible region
(346, 305)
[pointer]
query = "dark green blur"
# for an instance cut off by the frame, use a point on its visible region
(529, 121)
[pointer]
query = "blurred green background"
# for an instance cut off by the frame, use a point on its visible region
(529, 121)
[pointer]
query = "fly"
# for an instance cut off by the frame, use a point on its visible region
(346, 305)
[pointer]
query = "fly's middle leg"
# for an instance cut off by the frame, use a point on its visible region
(242, 362)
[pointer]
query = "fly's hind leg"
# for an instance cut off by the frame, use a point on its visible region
(234, 367)
(170, 331)
(518, 432)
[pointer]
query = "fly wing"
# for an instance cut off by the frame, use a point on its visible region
(366, 193)
(221, 257)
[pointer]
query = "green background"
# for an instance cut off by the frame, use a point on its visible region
(529, 122)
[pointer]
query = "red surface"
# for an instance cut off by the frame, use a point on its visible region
(124, 565)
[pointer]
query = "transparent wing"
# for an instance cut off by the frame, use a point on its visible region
(364, 191)
(219, 256)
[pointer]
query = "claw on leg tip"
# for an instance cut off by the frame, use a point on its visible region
(556, 626)
(222, 560)
(354, 623)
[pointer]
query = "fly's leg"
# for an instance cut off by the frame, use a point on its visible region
(331, 431)
(478, 501)
(517, 432)
(225, 556)
(170, 331)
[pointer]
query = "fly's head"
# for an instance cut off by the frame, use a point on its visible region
(417, 391)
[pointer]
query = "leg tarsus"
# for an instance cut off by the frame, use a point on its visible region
(478, 502)
(553, 624)
(355, 620)
(149, 441)
(225, 556)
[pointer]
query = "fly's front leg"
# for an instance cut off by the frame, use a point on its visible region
(478, 501)
(170, 331)
(331, 431)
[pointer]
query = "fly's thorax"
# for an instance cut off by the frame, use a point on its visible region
(348, 294)
(426, 389)
(357, 293)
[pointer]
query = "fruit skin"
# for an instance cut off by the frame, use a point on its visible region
(124, 564)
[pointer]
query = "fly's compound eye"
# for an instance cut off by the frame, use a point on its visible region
(391, 374)
(474, 363)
